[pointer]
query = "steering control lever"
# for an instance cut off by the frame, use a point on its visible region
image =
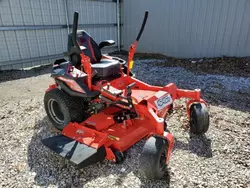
(128, 90)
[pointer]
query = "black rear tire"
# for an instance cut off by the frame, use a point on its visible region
(199, 118)
(62, 108)
(152, 162)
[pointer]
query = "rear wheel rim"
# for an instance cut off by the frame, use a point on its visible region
(55, 111)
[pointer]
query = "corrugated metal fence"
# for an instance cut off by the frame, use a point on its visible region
(34, 32)
(190, 28)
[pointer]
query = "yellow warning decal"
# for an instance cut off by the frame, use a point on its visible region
(131, 64)
(111, 137)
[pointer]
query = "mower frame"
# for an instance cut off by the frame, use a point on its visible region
(144, 107)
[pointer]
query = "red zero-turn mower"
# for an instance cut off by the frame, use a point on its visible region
(102, 110)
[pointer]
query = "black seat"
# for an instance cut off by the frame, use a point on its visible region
(84, 39)
(106, 67)
(103, 67)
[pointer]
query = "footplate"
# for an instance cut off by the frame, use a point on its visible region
(78, 153)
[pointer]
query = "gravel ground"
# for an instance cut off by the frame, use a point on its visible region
(239, 66)
(219, 159)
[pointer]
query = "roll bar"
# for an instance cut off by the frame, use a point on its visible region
(142, 26)
(133, 46)
(74, 32)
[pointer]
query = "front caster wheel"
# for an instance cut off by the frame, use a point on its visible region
(153, 158)
(199, 118)
(119, 157)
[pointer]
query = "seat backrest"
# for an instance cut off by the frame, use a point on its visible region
(84, 39)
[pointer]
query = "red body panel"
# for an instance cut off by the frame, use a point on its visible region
(170, 138)
(85, 135)
(127, 135)
(140, 95)
(99, 121)
(72, 84)
(85, 61)
(53, 86)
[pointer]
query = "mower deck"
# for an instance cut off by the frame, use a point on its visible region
(126, 136)
(102, 129)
